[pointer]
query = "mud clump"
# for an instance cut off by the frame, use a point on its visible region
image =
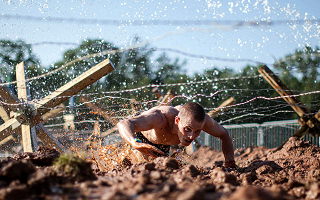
(290, 172)
(73, 167)
(43, 157)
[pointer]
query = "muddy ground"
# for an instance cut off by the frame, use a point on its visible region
(293, 172)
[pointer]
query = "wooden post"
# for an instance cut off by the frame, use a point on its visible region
(216, 111)
(22, 94)
(286, 94)
(309, 123)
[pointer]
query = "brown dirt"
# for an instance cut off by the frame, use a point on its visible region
(292, 172)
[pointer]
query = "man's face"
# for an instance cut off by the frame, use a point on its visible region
(189, 129)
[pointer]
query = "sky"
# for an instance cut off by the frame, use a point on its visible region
(260, 43)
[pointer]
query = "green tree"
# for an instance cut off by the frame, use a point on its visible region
(11, 54)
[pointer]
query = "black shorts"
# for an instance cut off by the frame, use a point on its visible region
(162, 147)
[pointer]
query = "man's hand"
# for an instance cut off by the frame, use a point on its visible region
(148, 149)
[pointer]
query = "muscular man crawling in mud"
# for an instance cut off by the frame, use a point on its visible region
(153, 131)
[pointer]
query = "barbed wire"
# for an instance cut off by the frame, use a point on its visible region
(255, 114)
(169, 50)
(144, 43)
(230, 106)
(106, 52)
(132, 22)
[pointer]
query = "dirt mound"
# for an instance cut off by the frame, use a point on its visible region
(292, 172)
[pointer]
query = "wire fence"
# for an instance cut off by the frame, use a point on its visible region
(269, 134)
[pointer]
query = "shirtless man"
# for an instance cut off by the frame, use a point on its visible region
(153, 131)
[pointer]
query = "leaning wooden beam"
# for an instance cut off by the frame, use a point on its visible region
(216, 111)
(52, 113)
(317, 116)
(22, 94)
(74, 86)
(7, 139)
(166, 100)
(10, 101)
(286, 94)
(305, 121)
(5, 117)
(3, 114)
(107, 115)
(7, 128)
(48, 139)
(108, 132)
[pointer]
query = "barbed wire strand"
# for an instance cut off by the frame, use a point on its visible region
(132, 22)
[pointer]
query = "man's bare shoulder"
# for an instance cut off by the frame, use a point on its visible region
(164, 111)
(167, 110)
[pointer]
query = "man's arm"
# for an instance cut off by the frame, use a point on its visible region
(215, 129)
(148, 120)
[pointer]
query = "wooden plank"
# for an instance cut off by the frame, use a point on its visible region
(22, 94)
(286, 94)
(317, 116)
(113, 129)
(157, 92)
(216, 111)
(34, 138)
(74, 86)
(107, 115)
(8, 98)
(96, 129)
(53, 113)
(7, 128)
(3, 114)
(7, 139)
(21, 82)
(166, 100)
(48, 139)
(26, 138)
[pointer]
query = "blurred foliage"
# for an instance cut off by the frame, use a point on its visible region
(142, 66)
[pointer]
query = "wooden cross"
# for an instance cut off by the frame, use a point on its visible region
(310, 123)
(29, 114)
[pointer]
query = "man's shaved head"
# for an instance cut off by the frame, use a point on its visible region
(193, 109)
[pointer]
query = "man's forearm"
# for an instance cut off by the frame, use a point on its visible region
(227, 148)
